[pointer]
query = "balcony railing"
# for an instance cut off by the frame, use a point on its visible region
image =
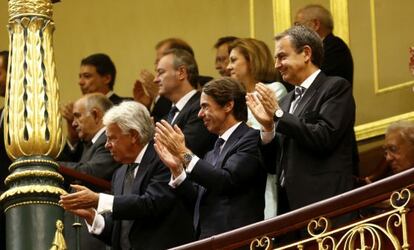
(390, 226)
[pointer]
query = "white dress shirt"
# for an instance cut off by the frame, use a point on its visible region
(105, 203)
(182, 102)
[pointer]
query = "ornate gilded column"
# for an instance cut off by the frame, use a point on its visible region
(33, 130)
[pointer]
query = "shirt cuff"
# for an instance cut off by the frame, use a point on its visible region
(174, 183)
(98, 224)
(105, 204)
(192, 164)
(267, 136)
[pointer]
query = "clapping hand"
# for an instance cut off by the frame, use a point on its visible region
(263, 104)
(170, 146)
(145, 90)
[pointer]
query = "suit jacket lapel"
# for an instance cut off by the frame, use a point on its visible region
(88, 152)
(119, 181)
(146, 160)
(313, 89)
(286, 101)
(187, 106)
(233, 139)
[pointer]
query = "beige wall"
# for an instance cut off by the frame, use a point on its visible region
(128, 30)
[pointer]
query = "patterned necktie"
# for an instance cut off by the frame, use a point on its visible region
(129, 178)
(171, 114)
(299, 91)
(127, 188)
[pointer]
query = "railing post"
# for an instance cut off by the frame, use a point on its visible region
(32, 129)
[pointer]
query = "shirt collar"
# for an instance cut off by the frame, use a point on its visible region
(183, 101)
(226, 135)
(109, 94)
(141, 154)
(308, 81)
(96, 136)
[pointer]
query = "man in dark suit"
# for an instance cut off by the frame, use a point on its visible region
(177, 74)
(227, 186)
(4, 158)
(337, 60)
(143, 212)
(88, 155)
(310, 141)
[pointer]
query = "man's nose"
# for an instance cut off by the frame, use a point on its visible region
(201, 113)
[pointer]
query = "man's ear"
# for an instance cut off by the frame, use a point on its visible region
(316, 25)
(182, 72)
(307, 52)
(135, 137)
(228, 107)
(107, 79)
(97, 115)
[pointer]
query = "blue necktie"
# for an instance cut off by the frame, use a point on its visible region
(171, 114)
(216, 150)
(213, 160)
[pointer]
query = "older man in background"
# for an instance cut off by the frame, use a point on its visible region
(337, 60)
(88, 155)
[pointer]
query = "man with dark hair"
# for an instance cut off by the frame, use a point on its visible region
(4, 158)
(337, 59)
(308, 134)
(98, 74)
(222, 54)
(227, 186)
(177, 73)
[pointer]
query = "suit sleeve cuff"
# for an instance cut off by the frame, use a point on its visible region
(105, 204)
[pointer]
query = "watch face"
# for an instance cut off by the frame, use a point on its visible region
(279, 113)
(188, 158)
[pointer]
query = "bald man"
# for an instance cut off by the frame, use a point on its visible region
(88, 156)
(337, 59)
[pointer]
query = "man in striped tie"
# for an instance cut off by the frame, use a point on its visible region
(308, 135)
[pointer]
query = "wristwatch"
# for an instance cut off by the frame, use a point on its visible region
(278, 114)
(187, 157)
